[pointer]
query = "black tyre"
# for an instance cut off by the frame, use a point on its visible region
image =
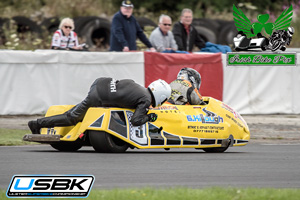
(96, 32)
(206, 34)
(106, 143)
(4, 22)
(227, 33)
(143, 21)
(67, 146)
(26, 25)
(215, 149)
(80, 22)
(276, 45)
(50, 24)
(210, 24)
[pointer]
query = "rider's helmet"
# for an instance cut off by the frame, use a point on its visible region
(191, 75)
(160, 91)
(290, 31)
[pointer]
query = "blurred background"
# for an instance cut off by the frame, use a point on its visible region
(30, 24)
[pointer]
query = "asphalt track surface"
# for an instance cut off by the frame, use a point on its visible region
(254, 165)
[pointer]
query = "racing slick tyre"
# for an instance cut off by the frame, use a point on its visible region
(104, 142)
(66, 146)
(216, 149)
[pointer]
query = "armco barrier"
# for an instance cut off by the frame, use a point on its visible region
(33, 81)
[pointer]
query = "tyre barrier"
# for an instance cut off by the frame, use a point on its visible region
(143, 21)
(25, 24)
(50, 24)
(3, 22)
(94, 31)
(227, 32)
(216, 31)
(207, 34)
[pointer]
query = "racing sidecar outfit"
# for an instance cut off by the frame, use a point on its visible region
(183, 92)
(60, 40)
(106, 92)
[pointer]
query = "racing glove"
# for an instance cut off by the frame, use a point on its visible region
(152, 117)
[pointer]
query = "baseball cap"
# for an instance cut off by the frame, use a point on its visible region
(127, 3)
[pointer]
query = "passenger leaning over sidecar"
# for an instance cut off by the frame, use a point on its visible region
(108, 92)
(185, 89)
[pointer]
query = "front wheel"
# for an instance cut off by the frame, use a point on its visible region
(67, 146)
(106, 143)
(215, 149)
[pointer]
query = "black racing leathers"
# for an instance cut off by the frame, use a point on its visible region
(106, 92)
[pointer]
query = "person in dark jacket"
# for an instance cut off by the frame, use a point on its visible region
(109, 92)
(185, 34)
(125, 29)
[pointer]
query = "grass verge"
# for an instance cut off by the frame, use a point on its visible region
(13, 137)
(214, 193)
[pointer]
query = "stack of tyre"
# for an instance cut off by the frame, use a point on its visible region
(216, 31)
(95, 31)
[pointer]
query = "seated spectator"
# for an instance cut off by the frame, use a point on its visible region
(161, 37)
(65, 37)
(125, 29)
(186, 35)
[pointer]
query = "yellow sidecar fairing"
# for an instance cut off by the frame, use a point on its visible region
(177, 126)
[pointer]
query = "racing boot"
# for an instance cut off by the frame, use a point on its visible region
(34, 127)
(56, 120)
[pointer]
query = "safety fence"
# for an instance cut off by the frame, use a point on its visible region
(31, 81)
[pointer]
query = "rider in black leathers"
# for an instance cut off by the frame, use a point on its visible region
(108, 92)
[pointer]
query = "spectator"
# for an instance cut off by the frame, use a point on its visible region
(125, 29)
(65, 37)
(161, 37)
(186, 35)
(108, 92)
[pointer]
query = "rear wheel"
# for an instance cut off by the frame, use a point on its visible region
(67, 146)
(106, 143)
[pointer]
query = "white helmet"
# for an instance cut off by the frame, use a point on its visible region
(160, 91)
(191, 75)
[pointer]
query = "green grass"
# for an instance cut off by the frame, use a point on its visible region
(214, 193)
(13, 137)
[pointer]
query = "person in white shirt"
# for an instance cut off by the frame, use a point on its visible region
(161, 37)
(65, 37)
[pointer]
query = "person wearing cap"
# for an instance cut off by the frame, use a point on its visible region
(186, 35)
(125, 29)
(161, 37)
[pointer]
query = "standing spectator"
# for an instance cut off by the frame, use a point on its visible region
(161, 37)
(125, 29)
(65, 37)
(186, 35)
